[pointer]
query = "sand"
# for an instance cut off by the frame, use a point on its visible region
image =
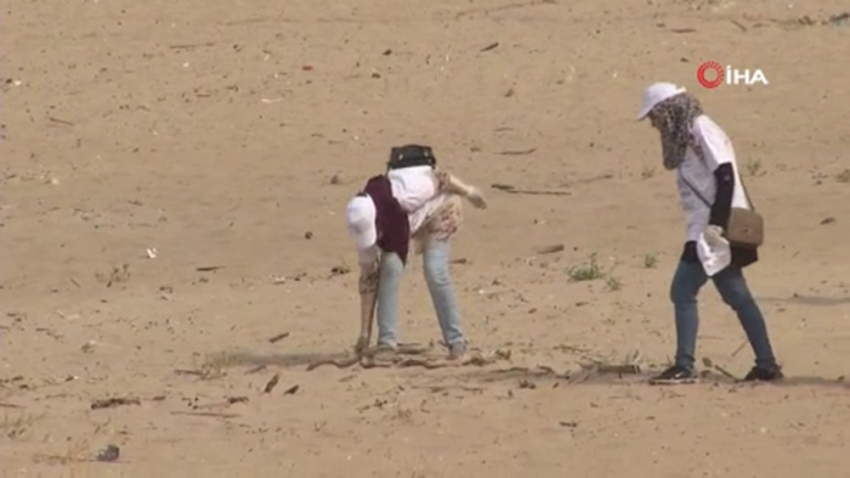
(169, 206)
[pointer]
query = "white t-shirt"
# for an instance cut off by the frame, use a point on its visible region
(717, 148)
(415, 189)
(699, 173)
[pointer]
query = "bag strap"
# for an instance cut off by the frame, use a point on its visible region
(746, 194)
(694, 190)
(701, 156)
(705, 201)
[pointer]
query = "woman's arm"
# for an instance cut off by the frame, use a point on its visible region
(453, 185)
(719, 156)
(724, 177)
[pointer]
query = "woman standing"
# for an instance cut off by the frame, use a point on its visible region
(709, 187)
(413, 201)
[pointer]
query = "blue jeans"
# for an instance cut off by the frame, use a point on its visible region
(687, 281)
(436, 267)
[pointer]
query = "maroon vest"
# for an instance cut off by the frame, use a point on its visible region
(391, 220)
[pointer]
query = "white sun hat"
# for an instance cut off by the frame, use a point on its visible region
(655, 94)
(360, 217)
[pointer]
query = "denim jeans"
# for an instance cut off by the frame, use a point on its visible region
(730, 283)
(436, 267)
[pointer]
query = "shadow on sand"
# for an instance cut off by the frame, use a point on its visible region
(241, 359)
(813, 300)
(343, 359)
(487, 373)
(544, 374)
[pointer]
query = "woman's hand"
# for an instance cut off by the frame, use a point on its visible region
(477, 199)
(714, 236)
(454, 185)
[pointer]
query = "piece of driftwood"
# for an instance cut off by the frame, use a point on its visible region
(500, 8)
(407, 356)
(114, 402)
(517, 152)
(725, 372)
(279, 337)
(272, 383)
(708, 363)
(338, 363)
(191, 46)
(197, 373)
(224, 404)
(740, 347)
(424, 363)
(60, 121)
(739, 25)
(206, 414)
(550, 249)
(619, 369)
(513, 190)
(366, 358)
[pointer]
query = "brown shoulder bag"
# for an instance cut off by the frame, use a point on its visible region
(745, 228)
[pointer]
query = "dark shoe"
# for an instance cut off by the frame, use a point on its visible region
(457, 351)
(761, 374)
(673, 376)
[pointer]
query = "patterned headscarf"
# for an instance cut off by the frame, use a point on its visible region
(674, 117)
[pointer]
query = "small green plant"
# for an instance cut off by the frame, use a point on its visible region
(215, 365)
(593, 271)
(647, 172)
(78, 453)
(753, 167)
(843, 176)
(613, 284)
(586, 272)
(18, 427)
(650, 261)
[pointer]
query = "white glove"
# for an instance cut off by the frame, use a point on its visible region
(714, 236)
(476, 198)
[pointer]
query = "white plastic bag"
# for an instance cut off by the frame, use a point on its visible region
(714, 259)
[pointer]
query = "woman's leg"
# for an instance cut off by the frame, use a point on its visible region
(733, 289)
(389, 286)
(687, 282)
(436, 268)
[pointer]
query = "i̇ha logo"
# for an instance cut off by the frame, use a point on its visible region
(711, 75)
